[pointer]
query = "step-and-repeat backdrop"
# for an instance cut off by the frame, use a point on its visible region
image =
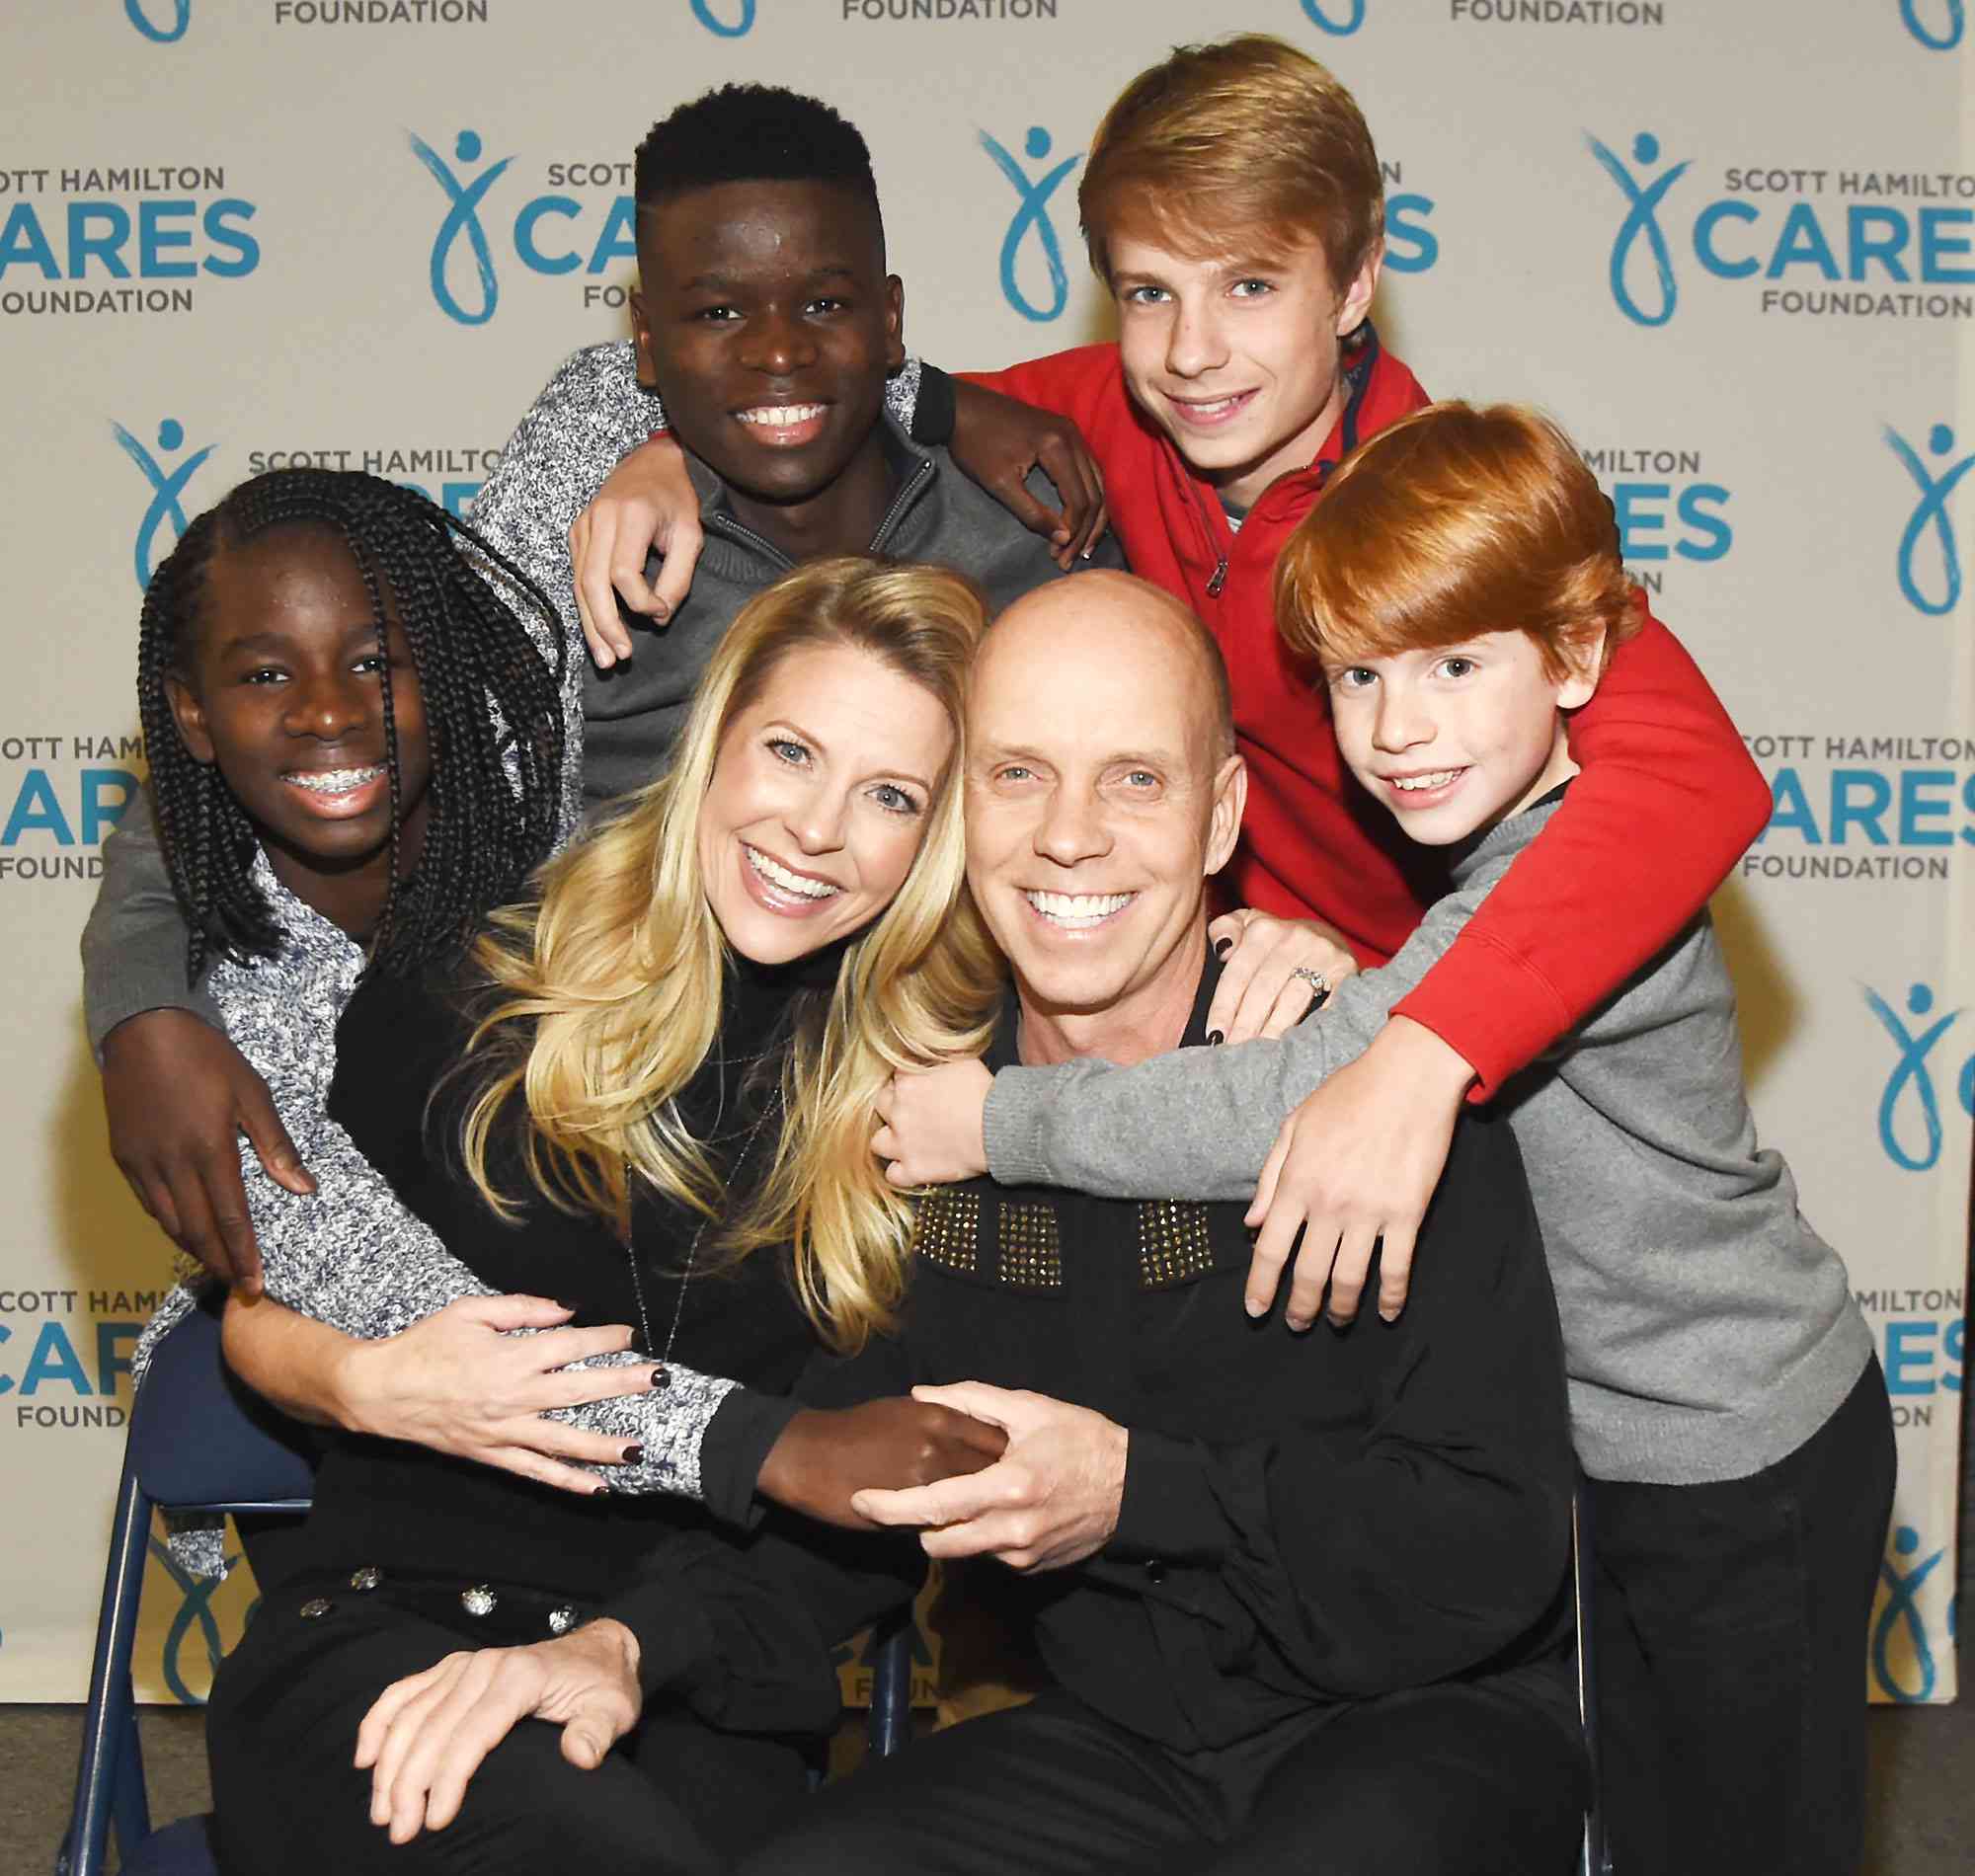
(1732, 247)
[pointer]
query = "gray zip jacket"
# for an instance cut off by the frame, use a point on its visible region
(1708, 1331)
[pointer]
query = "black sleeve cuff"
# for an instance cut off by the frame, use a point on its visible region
(934, 413)
(744, 1428)
(1169, 1508)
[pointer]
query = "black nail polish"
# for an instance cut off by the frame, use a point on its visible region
(1222, 946)
(659, 1379)
(1215, 1038)
(634, 1456)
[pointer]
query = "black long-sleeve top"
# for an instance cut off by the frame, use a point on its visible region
(1306, 1519)
(765, 1641)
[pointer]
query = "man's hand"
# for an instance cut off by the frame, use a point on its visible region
(1256, 994)
(1052, 1499)
(824, 1456)
(647, 504)
(998, 440)
(460, 1384)
(932, 1125)
(425, 1735)
(1357, 1164)
(178, 1095)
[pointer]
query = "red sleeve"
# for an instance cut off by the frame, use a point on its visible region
(1071, 383)
(1666, 804)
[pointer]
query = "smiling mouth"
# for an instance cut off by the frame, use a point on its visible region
(1210, 410)
(1423, 784)
(1077, 912)
(784, 423)
(785, 879)
(334, 781)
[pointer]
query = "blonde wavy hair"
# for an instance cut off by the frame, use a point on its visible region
(606, 988)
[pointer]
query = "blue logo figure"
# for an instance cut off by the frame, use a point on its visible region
(1947, 38)
(702, 11)
(196, 1607)
(1033, 213)
(463, 218)
(133, 11)
(1912, 1067)
(1930, 513)
(1645, 200)
(1354, 18)
(165, 488)
(1901, 1589)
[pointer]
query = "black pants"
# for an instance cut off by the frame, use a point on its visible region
(1446, 1781)
(675, 1799)
(1731, 1624)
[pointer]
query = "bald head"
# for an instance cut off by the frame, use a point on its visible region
(1102, 614)
(1102, 790)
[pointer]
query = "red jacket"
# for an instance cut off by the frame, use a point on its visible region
(1667, 800)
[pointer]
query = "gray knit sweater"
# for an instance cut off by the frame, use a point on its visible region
(1708, 1331)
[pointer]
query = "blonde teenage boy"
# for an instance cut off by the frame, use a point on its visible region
(1461, 593)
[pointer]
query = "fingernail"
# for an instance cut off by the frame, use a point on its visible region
(1091, 549)
(1215, 1038)
(1222, 946)
(1253, 1307)
(659, 1379)
(634, 1456)
(598, 1490)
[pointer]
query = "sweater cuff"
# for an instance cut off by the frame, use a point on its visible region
(743, 1431)
(1498, 1018)
(1012, 1123)
(1170, 1510)
(111, 999)
(934, 407)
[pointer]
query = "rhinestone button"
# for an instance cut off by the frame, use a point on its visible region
(316, 1608)
(478, 1599)
(366, 1578)
(561, 1621)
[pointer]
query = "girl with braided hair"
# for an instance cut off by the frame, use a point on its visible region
(309, 647)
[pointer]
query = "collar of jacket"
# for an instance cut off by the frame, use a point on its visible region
(910, 471)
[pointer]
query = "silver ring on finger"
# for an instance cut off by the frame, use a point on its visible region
(1320, 985)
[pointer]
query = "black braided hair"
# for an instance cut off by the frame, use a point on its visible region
(493, 703)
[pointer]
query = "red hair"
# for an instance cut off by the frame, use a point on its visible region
(1453, 523)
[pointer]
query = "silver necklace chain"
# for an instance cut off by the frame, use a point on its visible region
(663, 1378)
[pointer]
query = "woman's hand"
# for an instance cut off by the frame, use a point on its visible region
(825, 1455)
(646, 505)
(460, 1384)
(998, 440)
(932, 1125)
(1258, 994)
(178, 1096)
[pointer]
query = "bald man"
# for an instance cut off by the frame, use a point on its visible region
(1303, 1597)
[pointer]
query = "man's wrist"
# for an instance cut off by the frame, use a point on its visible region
(615, 1641)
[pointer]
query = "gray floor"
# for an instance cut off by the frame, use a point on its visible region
(1922, 1823)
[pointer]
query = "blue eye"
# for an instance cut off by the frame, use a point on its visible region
(894, 799)
(789, 750)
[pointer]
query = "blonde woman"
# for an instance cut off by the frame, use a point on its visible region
(656, 1112)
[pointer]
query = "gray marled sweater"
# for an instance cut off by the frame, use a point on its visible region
(1708, 1331)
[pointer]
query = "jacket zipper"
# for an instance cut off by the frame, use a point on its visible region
(733, 529)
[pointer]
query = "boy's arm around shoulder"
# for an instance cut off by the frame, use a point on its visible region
(1199, 1123)
(1667, 800)
(133, 947)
